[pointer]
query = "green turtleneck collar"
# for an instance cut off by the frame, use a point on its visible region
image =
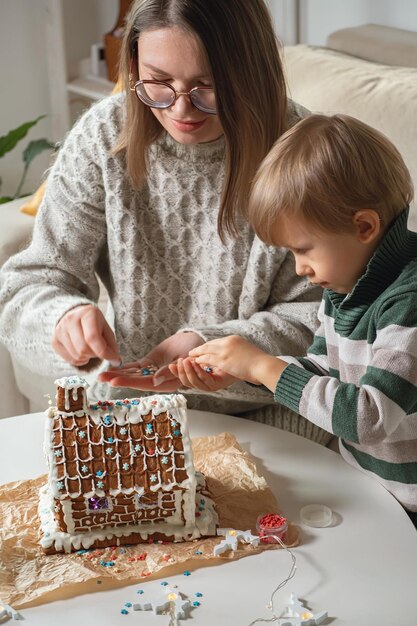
(397, 248)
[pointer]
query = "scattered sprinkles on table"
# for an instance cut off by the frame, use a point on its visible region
(171, 601)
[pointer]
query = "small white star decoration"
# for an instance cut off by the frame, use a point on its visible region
(8, 611)
(299, 615)
(171, 601)
(232, 537)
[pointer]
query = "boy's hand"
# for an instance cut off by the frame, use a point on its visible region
(241, 359)
(82, 336)
(193, 375)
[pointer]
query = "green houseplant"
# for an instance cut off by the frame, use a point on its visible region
(9, 141)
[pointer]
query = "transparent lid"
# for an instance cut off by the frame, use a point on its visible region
(317, 515)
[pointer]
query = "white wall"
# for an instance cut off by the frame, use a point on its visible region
(85, 22)
(24, 86)
(24, 62)
(24, 82)
(318, 18)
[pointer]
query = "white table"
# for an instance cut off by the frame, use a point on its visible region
(362, 570)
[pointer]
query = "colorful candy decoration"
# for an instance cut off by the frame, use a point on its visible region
(149, 370)
(271, 526)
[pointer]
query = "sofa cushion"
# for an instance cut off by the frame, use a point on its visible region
(384, 97)
(374, 42)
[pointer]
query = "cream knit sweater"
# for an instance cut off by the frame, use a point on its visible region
(158, 254)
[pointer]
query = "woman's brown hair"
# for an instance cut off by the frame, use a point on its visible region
(238, 39)
(324, 169)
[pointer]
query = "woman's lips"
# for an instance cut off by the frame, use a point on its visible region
(187, 126)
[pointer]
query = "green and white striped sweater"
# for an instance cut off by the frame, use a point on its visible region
(359, 379)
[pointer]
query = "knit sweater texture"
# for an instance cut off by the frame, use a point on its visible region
(359, 379)
(157, 253)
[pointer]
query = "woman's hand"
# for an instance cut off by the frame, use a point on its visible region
(193, 375)
(82, 336)
(164, 354)
(239, 358)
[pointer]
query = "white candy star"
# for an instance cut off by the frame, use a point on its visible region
(171, 599)
(299, 615)
(232, 538)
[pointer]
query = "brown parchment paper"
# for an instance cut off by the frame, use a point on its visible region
(29, 577)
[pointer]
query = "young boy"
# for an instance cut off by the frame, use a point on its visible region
(336, 193)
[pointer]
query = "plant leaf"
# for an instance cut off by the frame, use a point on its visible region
(5, 199)
(8, 142)
(34, 148)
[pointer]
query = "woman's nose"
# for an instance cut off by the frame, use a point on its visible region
(182, 103)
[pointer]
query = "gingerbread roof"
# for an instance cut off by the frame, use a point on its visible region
(136, 445)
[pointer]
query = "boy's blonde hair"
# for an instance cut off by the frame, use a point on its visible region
(239, 41)
(324, 169)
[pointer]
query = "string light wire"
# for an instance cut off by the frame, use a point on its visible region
(291, 574)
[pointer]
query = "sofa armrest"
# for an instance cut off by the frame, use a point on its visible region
(15, 232)
(15, 228)
(377, 43)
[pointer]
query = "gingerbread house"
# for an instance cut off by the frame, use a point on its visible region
(120, 472)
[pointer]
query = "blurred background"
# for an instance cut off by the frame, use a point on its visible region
(51, 59)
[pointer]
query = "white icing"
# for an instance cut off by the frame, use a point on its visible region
(181, 524)
(174, 404)
(72, 383)
(205, 525)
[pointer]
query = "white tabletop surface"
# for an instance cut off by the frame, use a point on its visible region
(362, 569)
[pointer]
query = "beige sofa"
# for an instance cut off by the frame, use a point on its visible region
(369, 72)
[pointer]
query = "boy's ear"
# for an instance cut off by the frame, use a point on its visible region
(367, 225)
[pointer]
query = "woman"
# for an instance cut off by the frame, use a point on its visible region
(149, 194)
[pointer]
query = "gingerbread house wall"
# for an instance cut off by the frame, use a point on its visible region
(150, 500)
(76, 515)
(131, 502)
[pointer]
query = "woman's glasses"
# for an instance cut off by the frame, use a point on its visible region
(160, 95)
